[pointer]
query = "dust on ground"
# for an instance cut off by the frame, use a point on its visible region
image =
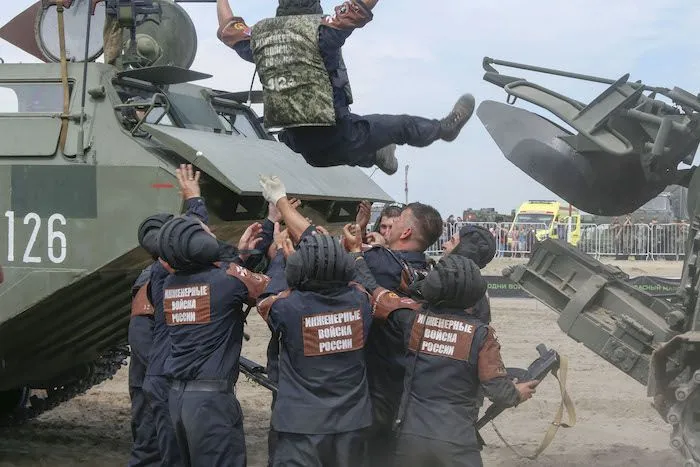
(616, 425)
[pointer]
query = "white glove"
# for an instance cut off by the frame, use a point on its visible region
(272, 188)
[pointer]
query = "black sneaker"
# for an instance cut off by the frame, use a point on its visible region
(451, 125)
(386, 160)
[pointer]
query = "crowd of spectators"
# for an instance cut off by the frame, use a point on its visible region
(620, 238)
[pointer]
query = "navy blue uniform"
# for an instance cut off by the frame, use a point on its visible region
(387, 268)
(278, 283)
(204, 315)
(385, 358)
(144, 450)
(323, 403)
(354, 139)
(156, 384)
(449, 356)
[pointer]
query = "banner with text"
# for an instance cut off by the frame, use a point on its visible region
(502, 287)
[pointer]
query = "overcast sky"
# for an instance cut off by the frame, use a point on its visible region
(417, 57)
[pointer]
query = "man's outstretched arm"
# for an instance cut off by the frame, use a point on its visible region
(274, 192)
(223, 12)
(233, 31)
(296, 223)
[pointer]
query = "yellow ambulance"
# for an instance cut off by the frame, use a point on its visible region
(550, 219)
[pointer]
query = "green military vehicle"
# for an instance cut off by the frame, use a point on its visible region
(625, 150)
(87, 151)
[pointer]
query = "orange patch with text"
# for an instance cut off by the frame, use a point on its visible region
(255, 283)
(187, 305)
(442, 337)
(331, 333)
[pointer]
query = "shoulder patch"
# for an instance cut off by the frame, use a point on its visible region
(351, 14)
(385, 302)
(141, 305)
(490, 362)
(265, 305)
(233, 31)
(255, 283)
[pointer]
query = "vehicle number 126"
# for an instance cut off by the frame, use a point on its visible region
(56, 240)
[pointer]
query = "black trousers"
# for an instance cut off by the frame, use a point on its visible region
(272, 436)
(157, 389)
(209, 427)
(416, 451)
(144, 450)
(355, 139)
(381, 440)
(347, 449)
(273, 350)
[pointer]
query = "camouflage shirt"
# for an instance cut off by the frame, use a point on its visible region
(332, 34)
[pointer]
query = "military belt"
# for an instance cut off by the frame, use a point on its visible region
(203, 385)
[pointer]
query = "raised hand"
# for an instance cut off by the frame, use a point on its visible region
(375, 238)
(249, 240)
(352, 238)
(364, 212)
(189, 181)
(275, 215)
(272, 188)
(284, 242)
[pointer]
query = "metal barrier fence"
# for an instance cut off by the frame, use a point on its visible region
(640, 241)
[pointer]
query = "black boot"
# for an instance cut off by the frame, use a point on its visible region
(386, 160)
(451, 125)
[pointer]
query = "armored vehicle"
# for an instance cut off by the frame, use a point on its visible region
(87, 151)
(624, 150)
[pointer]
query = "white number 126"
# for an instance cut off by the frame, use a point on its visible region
(56, 240)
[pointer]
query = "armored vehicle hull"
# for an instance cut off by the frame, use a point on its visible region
(75, 190)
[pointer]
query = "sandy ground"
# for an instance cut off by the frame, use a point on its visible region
(616, 424)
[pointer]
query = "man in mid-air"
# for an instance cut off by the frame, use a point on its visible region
(297, 55)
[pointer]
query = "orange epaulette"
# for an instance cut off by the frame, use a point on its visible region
(385, 302)
(141, 305)
(255, 283)
(265, 305)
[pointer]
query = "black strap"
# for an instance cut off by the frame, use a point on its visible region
(250, 252)
(412, 273)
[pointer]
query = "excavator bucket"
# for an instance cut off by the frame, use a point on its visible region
(595, 182)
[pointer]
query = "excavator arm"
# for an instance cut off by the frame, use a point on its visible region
(648, 338)
(621, 150)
